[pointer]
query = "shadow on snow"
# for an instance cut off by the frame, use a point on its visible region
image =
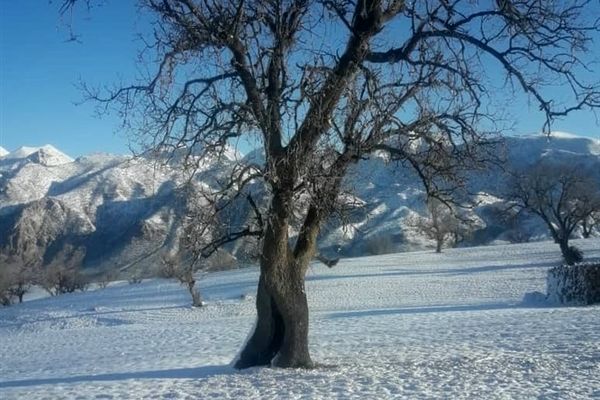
(431, 309)
(179, 373)
(432, 272)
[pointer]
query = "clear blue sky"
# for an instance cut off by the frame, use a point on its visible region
(39, 71)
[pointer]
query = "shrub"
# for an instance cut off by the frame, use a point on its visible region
(577, 284)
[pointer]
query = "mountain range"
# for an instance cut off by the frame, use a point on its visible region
(122, 211)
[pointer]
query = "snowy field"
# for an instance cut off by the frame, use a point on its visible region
(412, 325)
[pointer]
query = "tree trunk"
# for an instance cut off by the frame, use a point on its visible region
(568, 254)
(438, 246)
(195, 293)
(280, 337)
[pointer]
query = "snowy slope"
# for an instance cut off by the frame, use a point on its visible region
(3, 151)
(416, 325)
(125, 192)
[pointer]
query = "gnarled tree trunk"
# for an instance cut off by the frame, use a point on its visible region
(280, 336)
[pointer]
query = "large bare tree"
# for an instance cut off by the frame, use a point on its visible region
(318, 85)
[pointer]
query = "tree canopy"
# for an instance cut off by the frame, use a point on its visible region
(319, 85)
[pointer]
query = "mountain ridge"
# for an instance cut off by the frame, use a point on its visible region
(122, 209)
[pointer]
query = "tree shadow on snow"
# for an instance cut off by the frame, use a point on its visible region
(179, 373)
(430, 270)
(423, 310)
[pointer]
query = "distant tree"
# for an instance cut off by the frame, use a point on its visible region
(202, 233)
(6, 297)
(135, 278)
(380, 244)
(176, 268)
(590, 223)
(16, 278)
(513, 220)
(563, 196)
(443, 224)
(63, 274)
(106, 278)
(319, 86)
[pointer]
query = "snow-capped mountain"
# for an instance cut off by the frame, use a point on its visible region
(123, 210)
(3, 151)
(46, 155)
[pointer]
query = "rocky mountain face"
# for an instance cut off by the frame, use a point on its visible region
(122, 211)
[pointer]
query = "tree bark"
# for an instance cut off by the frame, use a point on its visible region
(195, 293)
(438, 245)
(280, 337)
(568, 255)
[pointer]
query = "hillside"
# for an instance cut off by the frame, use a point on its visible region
(414, 325)
(122, 211)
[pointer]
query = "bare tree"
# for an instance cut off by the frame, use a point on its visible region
(6, 297)
(63, 274)
(443, 224)
(562, 196)
(16, 278)
(194, 248)
(106, 277)
(590, 223)
(175, 268)
(18, 272)
(406, 78)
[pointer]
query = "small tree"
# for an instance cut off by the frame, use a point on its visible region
(16, 278)
(106, 278)
(562, 196)
(443, 224)
(6, 298)
(590, 223)
(63, 274)
(175, 268)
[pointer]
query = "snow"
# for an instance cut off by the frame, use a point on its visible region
(3, 151)
(558, 140)
(414, 325)
(563, 135)
(22, 152)
(46, 155)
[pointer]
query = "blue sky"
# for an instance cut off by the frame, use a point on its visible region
(39, 71)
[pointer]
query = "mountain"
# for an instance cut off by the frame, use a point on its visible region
(124, 211)
(393, 193)
(47, 155)
(3, 152)
(105, 204)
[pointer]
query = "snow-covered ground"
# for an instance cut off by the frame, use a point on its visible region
(413, 325)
